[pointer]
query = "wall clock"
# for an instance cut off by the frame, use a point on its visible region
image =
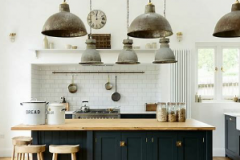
(97, 19)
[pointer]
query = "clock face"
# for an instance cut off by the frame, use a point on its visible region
(97, 19)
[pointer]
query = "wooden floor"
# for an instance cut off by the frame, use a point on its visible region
(215, 158)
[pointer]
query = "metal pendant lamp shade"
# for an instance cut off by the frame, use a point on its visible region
(91, 55)
(229, 25)
(127, 55)
(64, 24)
(164, 55)
(150, 25)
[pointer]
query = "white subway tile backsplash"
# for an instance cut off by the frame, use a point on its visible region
(135, 89)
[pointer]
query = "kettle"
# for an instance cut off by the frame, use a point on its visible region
(85, 108)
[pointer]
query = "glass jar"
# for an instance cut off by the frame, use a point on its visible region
(182, 112)
(172, 112)
(162, 112)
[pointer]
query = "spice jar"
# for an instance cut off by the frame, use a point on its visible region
(162, 112)
(182, 112)
(172, 112)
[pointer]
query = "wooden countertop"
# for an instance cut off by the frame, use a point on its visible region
(117, 124)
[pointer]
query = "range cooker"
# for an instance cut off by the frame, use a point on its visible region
(97, 114)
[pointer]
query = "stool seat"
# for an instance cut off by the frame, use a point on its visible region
(30, 149)
(18, 141)
(63, 149)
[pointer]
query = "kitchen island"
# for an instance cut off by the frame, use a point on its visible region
(127, 139)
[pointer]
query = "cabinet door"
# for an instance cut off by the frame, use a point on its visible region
(164, 145)
(232, 135)
(191, 146)
(107, 146)
(135, 146)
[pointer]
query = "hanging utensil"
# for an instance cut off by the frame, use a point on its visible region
(108, 85)
(116, 96)
(72, 88)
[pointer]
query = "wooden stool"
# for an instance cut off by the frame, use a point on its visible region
(64, 149)
(20, 141)
(29, 150)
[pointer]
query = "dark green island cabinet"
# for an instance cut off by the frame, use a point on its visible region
(232, 139)
(128, 139)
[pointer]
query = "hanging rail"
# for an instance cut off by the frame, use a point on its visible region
(98, 72)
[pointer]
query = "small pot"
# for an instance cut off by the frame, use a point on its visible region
(108, 85)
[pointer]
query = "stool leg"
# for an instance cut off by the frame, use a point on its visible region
(41, 156)
(23, 156)
(38, 156)
(74, 156)
(17, 156)
(55, 155)
(31, 156)
(13, 153)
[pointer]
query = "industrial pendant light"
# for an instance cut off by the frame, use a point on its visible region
(64, 24)
(229, 25)
(91, 56)
(164, 55)
(127, 55)
(150, 25)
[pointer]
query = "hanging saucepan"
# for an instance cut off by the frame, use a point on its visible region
(108, 85)
(116, 96)
(72, 88)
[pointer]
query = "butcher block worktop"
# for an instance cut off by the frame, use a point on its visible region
(117, 124)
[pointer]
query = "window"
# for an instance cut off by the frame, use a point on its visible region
(218, 71)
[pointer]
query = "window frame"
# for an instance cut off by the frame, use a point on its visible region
(218, 62)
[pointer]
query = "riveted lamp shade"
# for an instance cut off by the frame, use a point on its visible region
(64, 24)
(127, 55)
(91, 55)
(150, 25)
(229, 25)
(164, 55)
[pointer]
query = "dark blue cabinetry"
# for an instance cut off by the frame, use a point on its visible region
(155, 145)
(232, 138)
(164, 145)
(68, 116)
(135, 146)
(138, 116)
(106, 146)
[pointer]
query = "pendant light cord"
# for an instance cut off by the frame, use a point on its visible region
(90, 36)
(165, 8)
(150, 1)
(127, 17)
(164, 13)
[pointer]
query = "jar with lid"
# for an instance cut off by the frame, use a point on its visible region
(162, 112)
(172, 112)
(182, 112)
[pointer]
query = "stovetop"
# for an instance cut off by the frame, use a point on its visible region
(98, 111)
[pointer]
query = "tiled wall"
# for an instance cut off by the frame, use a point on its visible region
(135, 89)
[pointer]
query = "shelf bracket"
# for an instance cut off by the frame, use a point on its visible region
(36, 53)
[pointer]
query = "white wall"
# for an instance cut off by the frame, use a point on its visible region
(136, 89)
(196, 19)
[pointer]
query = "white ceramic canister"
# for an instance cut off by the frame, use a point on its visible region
(34, 112)
(56, 114)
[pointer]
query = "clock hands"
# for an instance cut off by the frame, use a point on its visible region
(96, 15)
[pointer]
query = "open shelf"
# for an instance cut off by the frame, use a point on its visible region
(79, 51)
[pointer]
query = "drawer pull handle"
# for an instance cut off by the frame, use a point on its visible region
(179, 144)
(122, 144)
